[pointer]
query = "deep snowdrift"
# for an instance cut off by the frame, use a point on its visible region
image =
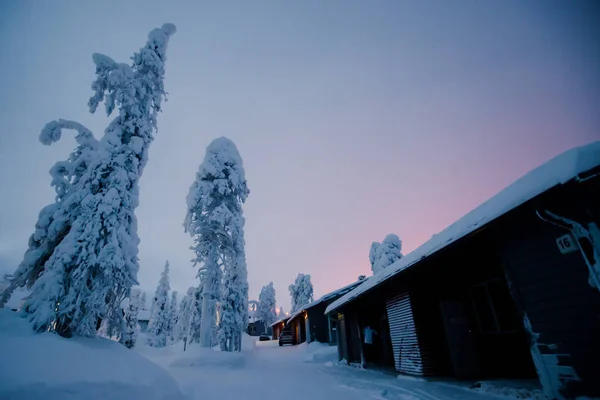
(46, 366)
(318, 352)
(195, 356)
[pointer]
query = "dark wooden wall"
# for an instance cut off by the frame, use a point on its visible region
(553, 293)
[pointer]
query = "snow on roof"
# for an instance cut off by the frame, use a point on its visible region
(143, 315)
(279, 320)
(327, 296)
(561, 169)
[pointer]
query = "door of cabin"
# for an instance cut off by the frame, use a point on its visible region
(460, 339)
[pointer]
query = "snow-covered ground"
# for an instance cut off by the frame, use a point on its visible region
(265, 371)
(48, 367)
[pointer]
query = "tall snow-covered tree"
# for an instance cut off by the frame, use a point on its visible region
(184, 314)
(173, 335)
(301, 291)
(129, 338)
(92, 266)
(384, 254)
(143, 301)
(55, 219)
(215, 220)
(267, 311)
(195, 326)
(158, 326)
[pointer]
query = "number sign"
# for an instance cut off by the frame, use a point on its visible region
(566, 244)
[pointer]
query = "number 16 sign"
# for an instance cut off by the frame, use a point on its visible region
(566, 244)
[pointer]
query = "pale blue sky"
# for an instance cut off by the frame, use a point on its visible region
(354, 118)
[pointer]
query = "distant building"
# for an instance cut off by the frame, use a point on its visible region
(278, 326)
(310, 323)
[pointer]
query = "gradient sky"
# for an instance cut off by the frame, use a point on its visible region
(355, 119)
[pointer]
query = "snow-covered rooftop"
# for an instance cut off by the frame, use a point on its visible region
(328, 296)
(284, 319)
(143, 315)
(561, 169)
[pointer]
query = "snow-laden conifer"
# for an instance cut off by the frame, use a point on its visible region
(195, 326)
(267, 311)
(215, 220)
(55, 219)
(91, 269)
(301, 291)
(173, 335)
(280, 313)
(184, 314)
(158, 326)
(129, 338)
(384, 254)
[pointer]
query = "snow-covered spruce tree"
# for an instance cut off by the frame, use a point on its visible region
(195, 326)
(280, 313)
(54, 220)
(384, 254)
(158, 326)
(184, 314)
(215, 220)
(234, 304)
(266, 305)
(143, 301)
(301, 291)
(131, 319)
(92, 268)
(173, 335)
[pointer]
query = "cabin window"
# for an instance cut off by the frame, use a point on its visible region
(493, 307)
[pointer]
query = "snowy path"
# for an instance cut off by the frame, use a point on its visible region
(271, 372)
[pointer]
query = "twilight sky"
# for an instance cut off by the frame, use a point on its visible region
(355, 119)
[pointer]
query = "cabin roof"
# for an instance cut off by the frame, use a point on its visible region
(559, 170)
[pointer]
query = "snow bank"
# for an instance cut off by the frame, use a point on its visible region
(319, 353)
(561, 169)
(197, 356)
(47, 366)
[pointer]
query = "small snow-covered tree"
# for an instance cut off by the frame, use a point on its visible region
(266, 311)
(184, 314)
(92, 266)
(173, 335)
(158, 326)
(215, 221)
(131, 319)
(280, 313)
(384, 254)
(143, 301)
(301, 291)
(195, 327)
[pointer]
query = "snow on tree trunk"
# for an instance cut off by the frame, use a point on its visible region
(158, 326)
(266, 311)
(91, 268)
(215, 220)
(131, 319)
(195, 329)
(301, 291)
(384, 254)
(173, 335)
